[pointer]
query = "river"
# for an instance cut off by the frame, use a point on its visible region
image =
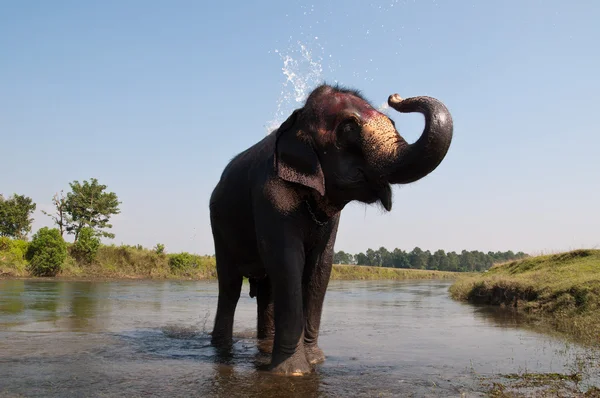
(150, 338)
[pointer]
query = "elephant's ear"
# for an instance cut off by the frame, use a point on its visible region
(295, 158)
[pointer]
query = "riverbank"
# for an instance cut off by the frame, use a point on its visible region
(134, 262)
(562, 290)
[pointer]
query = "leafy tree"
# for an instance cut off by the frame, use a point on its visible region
(373, 258)
(467, 262)
(61, 218)
(342, 257)
(361, 259)
(15, 216)
(47, 252)
(441, 260)
(88, 205)
(453, 261)
(400, 259)
(385, 257)
(418, 258)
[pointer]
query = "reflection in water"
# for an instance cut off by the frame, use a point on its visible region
(134, 338)
(12, 302)
(83, 298)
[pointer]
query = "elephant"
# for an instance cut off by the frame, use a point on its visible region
(275, 211)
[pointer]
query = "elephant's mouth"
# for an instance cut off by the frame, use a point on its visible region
(366, 188)
(384, 194)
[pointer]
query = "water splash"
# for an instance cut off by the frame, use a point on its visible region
(303, 70)
(306, 64)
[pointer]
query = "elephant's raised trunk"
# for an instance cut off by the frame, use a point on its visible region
(415, 161)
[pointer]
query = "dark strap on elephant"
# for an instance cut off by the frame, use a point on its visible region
(316, 214)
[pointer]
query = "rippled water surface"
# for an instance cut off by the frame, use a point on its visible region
(150, 338)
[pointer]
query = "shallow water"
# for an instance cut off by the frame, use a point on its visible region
(149, 338)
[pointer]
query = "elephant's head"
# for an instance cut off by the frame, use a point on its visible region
(341, 146)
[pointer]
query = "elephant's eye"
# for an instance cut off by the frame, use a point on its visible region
(348, 134)
(347, 126)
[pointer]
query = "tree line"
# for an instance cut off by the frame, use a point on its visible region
(465, 261)
(85, 213)
(86, 205)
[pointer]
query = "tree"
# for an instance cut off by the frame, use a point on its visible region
(418, 258)
(453, 261)
(467, 262)
(15, 216)
(88, 205)
(361, 259)
(400, 259)
(342, 257)
(61, 218)
(385, 257)
(441, 260)
(373, 258)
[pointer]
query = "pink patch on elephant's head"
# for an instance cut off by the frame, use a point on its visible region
(331, 107)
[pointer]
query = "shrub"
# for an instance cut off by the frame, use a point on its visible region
(183, 260)
(159, 248)
(46, 253)
(15, 249)
(86, 246)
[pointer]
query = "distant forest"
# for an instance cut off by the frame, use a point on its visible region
(466, 261)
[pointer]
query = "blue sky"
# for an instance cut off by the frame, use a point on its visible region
(153, 98)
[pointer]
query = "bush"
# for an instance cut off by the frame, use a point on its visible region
(13, 249)
(46, 253)
(183, 260)
(159, 248)
(86, 246)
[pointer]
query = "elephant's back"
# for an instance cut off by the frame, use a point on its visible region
(242, 175)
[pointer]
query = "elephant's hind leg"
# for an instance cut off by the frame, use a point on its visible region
(230, 287)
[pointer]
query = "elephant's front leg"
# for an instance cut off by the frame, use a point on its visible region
(317, 273)
(283, 256)
(265, 323)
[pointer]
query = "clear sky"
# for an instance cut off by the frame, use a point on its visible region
(153, 98)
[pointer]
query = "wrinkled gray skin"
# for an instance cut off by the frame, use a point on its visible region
(275, 211)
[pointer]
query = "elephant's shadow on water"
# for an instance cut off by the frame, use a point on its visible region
(227, 379)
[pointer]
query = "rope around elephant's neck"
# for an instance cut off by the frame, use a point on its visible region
(314, 217)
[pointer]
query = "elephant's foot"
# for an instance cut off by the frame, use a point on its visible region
(265, 346)
(296, 365)
(219, 340)
(314, 354)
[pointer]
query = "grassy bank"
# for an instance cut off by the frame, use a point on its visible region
(561, 289)
(360, 272)
(121, 262)
(134, 262)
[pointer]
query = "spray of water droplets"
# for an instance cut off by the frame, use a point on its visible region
(303, 70)
(305, 62)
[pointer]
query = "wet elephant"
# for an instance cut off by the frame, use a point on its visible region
(275, 210)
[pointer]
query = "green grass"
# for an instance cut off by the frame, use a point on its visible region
(360, 272)
(129, 262)
(123, 262)
(561, 289)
